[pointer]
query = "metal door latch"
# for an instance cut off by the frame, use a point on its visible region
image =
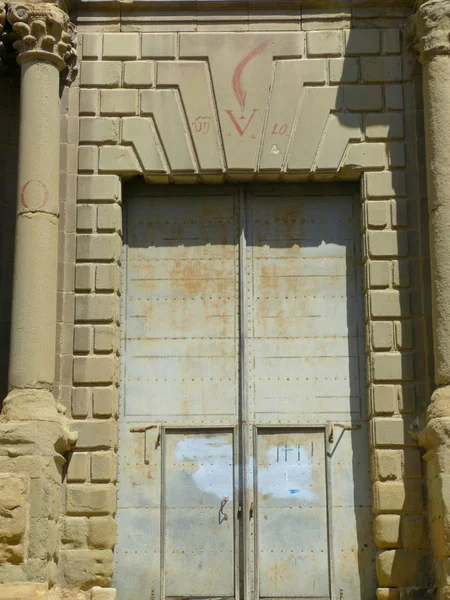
(222, 516)
(341, 426)
(144, 431)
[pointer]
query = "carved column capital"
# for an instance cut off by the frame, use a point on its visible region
(431, 28)
(43, 32)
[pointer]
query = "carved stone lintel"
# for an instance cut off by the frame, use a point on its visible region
(431, 28)
(42, 31)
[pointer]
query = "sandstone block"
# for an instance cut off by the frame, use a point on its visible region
(98, 307)
(83, 277)
(344, 70)
(91, 499)
(14, 497)
(101, 246)
(96, 433)
(104, 466)
(391, 41)
(82, 338)
(92, 45)
(394, 96)
(387, 465)
(385, 126)
(377, 213)
(389, 303)
(407, 398)
(412, 463)
(85, 217)
(362, 41)
(387, 531)
(399, 212)
(386, 184)
(404, 335)
(139, 73)
(98, 187)
(24, 591)
(401, 273)
(396, 154)
(381, 69)
(74, 532)
(102, 532)
(101, 74)
(120, 45)
(120, 102)
(366, 156)
(388, 594)
(109, 217)
(44, 539)
(86, 567)
(106, 278)
(379, 273)
(404, 568)
(44, 499)
(99, 130)
(118, 159)
(393, 366)
(382, 335)
(105, 402)
(87, 158)
(324, 43)
(158, 45)
(384, 399)
(81, 399)
(414, 531)
(141, 133)
(78, 467)
(106, 338)
(94, 369)
(398, 496)
(387, 243)
(363, 98)
(88, 102)
(392, 432)
(99, 593)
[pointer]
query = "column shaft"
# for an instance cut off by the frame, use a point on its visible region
(437, 124)
(33, 331)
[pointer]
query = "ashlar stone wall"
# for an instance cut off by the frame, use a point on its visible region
(154, 98)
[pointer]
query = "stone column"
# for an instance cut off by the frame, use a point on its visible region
(34, 433)
(43, 45)
(432, 29)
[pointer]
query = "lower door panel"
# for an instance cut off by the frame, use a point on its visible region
(199, 514)
(292, 521)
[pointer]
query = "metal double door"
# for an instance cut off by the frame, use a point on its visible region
(243, 444)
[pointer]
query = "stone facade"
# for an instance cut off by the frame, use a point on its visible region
(152, 96)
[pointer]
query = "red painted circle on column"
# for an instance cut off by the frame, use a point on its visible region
(34, 194)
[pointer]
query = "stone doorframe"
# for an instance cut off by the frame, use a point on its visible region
(356, 125)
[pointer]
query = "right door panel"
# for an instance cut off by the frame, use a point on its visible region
(292, 533)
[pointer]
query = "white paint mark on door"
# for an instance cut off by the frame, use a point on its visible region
(288, 475)
(214, 459)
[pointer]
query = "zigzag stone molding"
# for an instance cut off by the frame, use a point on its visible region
(244, 104)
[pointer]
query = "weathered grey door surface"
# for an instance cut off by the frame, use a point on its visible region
(243, 444)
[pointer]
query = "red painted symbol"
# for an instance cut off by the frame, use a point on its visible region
(235, 122)
(201, 125)
(279, 130)
(240, 92)
(34, 194)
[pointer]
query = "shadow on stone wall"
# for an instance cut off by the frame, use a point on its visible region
(9, 137)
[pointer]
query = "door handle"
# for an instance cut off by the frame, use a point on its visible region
(223, 516)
